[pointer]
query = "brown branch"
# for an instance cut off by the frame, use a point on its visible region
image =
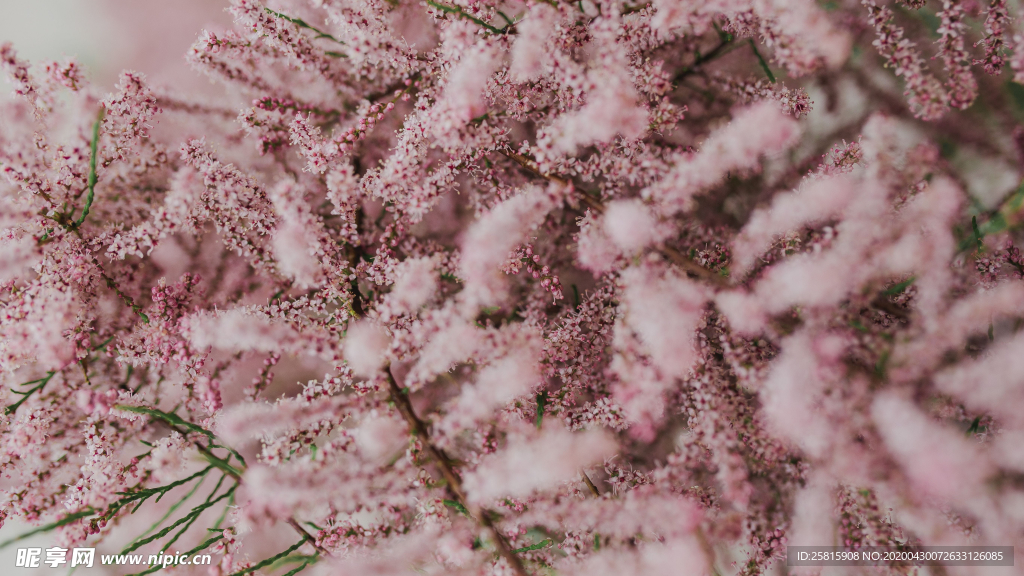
(531, 166)
(309, 537)
(882, 303)
(693, 268)
(590, 484)
(483, 516)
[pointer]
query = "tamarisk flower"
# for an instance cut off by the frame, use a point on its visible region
(518, 289)
(962, 86)
(996, 22)
(923, 91)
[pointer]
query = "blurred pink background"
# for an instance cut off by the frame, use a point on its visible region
(107, 36)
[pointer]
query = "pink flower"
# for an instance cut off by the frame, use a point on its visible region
(631, 225)
(532, 40)
(415, 284)
(513, 288)
(542, 462)
(939, 461)
(490, 239)
(759, 130)
(664, 310)
(365, 346)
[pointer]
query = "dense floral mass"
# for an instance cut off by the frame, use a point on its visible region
(478, 287)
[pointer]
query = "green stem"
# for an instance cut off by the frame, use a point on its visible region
(761, 60)
(538, 546)
(175, 507)
(42, 382)
(457, 10)
(202, 546)
(270, 560)
(716, 52)
(172, 419)
(303, 24)
(187, 518)
(62, 522)
(194, 518)
(91, 194)
(300, 568)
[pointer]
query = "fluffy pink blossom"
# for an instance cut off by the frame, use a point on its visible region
(541, 462)
(595, 251)
(812, 516)
(464, 92)
(489, 241)
(611, 108)
(365, 346)
(631, 225)
(795, 388)
(510, 289)
(237, 329)
(498, 384)
(664, 310)
(756, 131)
(816, 200)
(415, 284)
(939, 462)
(529, 51)
(1000, 369)
(243, 422)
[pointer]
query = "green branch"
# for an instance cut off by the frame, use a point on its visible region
(271, 560)
(303, 24)
(172, 419)
(194, 518)
(538, 546)
(184, 426)
(62, 522)
(39, 385)
(458, 11)
(91, 194)
(302, 567)
(142, 495)
(175, 507)
(761, 60)
(191, 516)
(198, 548)
(900, 287)
(724, 46)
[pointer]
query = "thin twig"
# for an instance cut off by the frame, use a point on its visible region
(717, 51)
(590, 483)
(483, 516)
(124, 297)
(458, 11)
(761, 60)
(303, 24)
(309, 537)
(223, 466)
(93, 147)
(684, 263)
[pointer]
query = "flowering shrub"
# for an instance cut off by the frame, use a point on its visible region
(550, 288)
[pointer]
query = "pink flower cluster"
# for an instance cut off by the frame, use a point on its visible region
(511, 288)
